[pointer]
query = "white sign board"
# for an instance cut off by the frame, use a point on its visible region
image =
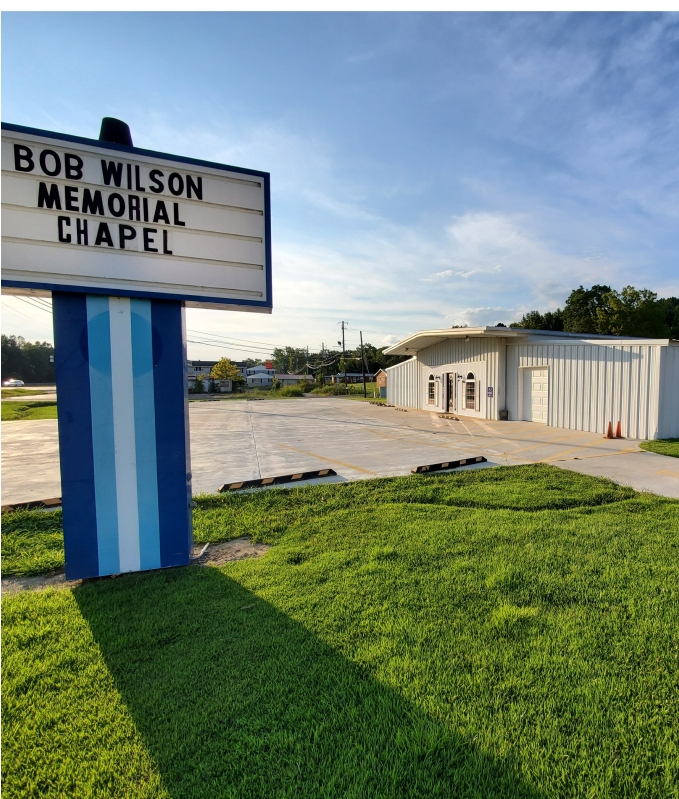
(89, 216)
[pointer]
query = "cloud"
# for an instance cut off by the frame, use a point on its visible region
(450, 273)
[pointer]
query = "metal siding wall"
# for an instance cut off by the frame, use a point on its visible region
(668, 417)
(590, 385)
(406, 381)
(500, 381)
(454, 351)
(403, 382)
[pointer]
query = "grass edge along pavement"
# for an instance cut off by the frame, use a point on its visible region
(21, 392)
(662, 446)
(20, 411)
(32, 542)
(504, 632)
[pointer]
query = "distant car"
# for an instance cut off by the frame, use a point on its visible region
(13, 383)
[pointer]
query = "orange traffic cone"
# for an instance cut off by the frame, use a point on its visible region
(609, 433)
(618, 432)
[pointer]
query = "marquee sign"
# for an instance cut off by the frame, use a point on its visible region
(88, 216)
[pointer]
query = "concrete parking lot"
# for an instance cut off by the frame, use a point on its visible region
(240, 440)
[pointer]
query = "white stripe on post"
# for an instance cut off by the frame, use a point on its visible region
(123, 432)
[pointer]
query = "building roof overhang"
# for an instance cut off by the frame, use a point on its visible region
(427, 338)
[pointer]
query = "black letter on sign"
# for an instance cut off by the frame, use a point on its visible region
(126, 233)
(43, 163)
(154, 174)
(148, 241)
(111, 170)
(133, 206)
(145, 203)
(137, 183)
(71, 197)
(82, 231)
(197, 187)
(22, 154)
(61, 221)
(74, 166)
(112, 200)
(92, 205)
(175, 184)
(166, 251)
(103, 235)
(177, 220)
(160, 214)
(49, 199)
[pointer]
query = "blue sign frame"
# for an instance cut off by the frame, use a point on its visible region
(198, 299)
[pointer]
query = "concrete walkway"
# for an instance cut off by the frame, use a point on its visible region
(232, 441)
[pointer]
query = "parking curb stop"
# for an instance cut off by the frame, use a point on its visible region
(437, 467)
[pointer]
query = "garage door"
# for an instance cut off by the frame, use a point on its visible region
(535, 395)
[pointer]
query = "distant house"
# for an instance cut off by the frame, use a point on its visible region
(352, 377)
(203, 368)
(293, 380)
(260, 376)
(381, 380)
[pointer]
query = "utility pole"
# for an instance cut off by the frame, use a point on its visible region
(365, 390)
(344, 358)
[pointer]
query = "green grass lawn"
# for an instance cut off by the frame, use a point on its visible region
(20, 392)
(506, 632)
(667, 446)
(14, 411)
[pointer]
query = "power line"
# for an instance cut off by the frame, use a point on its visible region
(248, 341)
(226, 343)
(34, 305)
(222, 345)
(44, 302)
(18, 313)
(245, 353)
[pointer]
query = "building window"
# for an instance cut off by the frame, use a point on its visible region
(431, 391)
(470, 392)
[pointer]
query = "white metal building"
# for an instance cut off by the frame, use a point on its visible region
(579, 382)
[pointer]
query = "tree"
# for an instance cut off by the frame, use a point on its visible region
(198, 386)
(580, 310)
(534, 320)
(27, 361)
(632, 312)
(670, 308)
(288, 359)
(224, 369)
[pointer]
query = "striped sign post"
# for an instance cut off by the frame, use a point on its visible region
(123, 433)
(123, 239)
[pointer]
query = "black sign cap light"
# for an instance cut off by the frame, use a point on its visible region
(116, 131)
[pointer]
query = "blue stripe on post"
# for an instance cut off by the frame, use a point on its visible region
(145, 434)
(101, 389)
(172, 426)
(75, 435)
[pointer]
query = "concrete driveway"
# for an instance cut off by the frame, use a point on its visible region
(239, 440)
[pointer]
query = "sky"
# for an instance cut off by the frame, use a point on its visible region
(427, 170)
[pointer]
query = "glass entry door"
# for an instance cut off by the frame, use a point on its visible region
(452, 389)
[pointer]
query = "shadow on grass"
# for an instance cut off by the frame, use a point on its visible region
(233, 698)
